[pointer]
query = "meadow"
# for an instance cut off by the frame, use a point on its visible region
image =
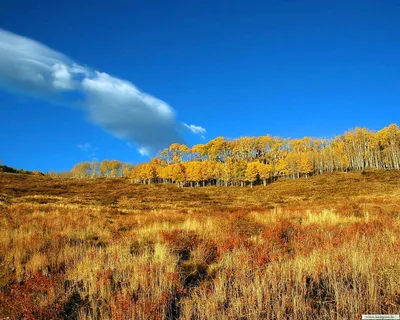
(324, 247)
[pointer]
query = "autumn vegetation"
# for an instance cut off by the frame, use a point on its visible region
(316, 237)
(322, 247)
(257, 160)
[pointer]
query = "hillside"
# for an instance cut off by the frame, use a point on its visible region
(330, 187)
(105, 248)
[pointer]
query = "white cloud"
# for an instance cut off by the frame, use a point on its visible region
(27, 66)
(120, 108)
(89, 149)
(62, 78)
(78, 69)
(143, 151)
(195, 129)
(85, 146)
(116, 105)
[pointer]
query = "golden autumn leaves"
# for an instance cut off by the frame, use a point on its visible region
(250, 160)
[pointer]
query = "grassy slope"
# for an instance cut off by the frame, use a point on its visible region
(323, 188)
(314, 248)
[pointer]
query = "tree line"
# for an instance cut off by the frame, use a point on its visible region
(7, 169)
(257, 160)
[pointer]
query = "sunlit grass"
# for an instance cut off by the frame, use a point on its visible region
(156, 253)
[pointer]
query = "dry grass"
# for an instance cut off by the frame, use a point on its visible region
(318, 248)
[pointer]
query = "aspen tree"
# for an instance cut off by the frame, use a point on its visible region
(251, 173)
(232, 162)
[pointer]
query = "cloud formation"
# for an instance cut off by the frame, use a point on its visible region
(121, 109)
(195, 129)
(89, 149)
(84, 146)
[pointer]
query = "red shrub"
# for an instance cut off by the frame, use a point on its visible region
(22, 299)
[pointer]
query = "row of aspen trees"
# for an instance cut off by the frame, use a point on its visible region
(257, 160)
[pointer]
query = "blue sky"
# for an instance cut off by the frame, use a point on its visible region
(235, 68)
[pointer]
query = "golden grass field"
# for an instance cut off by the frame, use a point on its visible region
(327, 247)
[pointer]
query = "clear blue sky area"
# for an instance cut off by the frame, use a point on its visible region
(236, 68)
